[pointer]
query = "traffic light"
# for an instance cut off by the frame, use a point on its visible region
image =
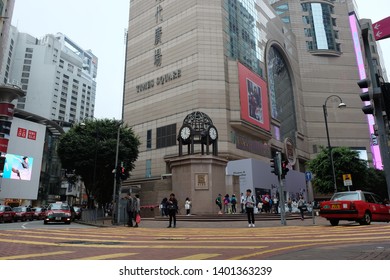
(285, 169)
(366, 96)
(275, 165)
(124, 173)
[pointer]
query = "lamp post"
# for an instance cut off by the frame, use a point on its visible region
(341, 105)
(116, 203)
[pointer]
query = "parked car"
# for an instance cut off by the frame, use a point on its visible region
(39, 213)
(76, 212)
(6, 214)
(58, 212)
(360, 206)
(23, 213)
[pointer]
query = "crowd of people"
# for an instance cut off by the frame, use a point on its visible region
(246, 203)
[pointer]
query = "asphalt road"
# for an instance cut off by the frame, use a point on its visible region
(299, 240)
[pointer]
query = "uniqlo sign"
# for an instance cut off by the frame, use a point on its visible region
(32, 135)
(24, 133)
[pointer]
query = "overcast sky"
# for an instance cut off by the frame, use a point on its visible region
(99, 25)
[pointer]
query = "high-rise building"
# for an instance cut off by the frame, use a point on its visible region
(6, 11)
(262, 71)
(58, 76)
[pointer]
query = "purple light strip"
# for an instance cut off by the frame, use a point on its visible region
(376, 155)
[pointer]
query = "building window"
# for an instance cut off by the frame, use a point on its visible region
(149, 139)
(322, 26)
(166, 136)
(148, 170)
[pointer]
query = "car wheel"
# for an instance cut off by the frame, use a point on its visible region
(366, 219)
(1, 219)
(45, 222)
(334, 222)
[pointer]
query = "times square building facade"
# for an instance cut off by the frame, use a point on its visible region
(260, 70)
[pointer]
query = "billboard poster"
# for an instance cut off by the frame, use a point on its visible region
(17, 167)
(253, 98)
(23, 160)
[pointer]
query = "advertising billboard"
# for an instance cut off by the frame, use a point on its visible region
(17, 167)
(253, 98)
(23, 160)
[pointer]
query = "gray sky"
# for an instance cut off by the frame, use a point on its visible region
(99, 25)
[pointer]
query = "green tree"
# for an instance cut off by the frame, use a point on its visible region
(89, 148)
(346, 161)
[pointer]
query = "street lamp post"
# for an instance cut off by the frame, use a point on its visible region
(341, 105)
(116, 203)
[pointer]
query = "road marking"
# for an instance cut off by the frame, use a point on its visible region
(199, 257)
(108, 256)
(16, 257)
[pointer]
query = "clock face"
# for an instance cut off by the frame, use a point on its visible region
(185, 133)
(213, 133)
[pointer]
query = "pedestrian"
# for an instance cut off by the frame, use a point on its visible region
(137, 209)
(226, 202)
(172, 210)
(301, 207)
(163, 207)
(130, 209)
(242, 203)
(266, 205)
(187, 206)
(218, 201)
(289, 204)
(250, 203)
(233, 201)
(276, 203)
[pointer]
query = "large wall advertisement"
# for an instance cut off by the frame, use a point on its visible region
(253, 98)
(22, 168)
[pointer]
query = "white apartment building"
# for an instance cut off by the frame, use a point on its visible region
(58, 76)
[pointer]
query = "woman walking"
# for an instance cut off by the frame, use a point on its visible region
(172, 209)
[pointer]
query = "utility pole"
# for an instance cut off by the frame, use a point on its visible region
(276, 168)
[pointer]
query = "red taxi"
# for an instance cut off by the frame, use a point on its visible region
(6, 214)
(58, 212)
(23, 213)
(362, 207)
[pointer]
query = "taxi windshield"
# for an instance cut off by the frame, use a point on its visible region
(59, 206)
(346, 196)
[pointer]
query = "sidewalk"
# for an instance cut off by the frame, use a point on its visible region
(235, 222)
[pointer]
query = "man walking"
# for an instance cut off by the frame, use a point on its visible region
(250, 203)
(130, 209)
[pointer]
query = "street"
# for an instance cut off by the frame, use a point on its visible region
(195, 241)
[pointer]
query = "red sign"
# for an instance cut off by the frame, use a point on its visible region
(7, 110)
(382, 29)
(32, 135)
(3, 145)
(22, 132)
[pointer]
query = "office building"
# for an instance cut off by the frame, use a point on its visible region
(260, 72)
(58, 76)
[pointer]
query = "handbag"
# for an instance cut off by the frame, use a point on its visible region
(171, 206)
(138, 218)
